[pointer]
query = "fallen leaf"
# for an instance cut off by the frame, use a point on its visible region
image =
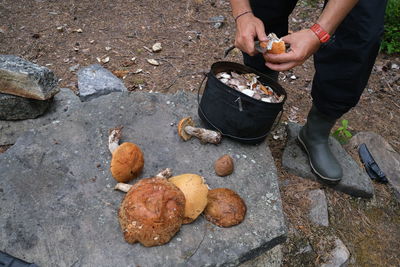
(153, 62)
(105, 60)
(120, 73)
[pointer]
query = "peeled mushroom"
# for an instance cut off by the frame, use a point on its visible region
(225, 207)
(195, 190)
(127, 159)
(152, 212)
(224, 165)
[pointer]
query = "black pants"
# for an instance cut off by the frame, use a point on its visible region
(343, 67)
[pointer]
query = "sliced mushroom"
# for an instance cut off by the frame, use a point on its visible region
(187, 129)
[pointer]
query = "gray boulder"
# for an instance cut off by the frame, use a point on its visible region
(20, 108)
(95, 81)
(23, 78)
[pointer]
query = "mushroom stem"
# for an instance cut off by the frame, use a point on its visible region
(113, 138)
(123, 187)
(205, 136)
(167, 173)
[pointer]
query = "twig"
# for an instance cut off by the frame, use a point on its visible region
(198, 246)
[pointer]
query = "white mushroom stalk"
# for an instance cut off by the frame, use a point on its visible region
(166, 173)
(187, 129)
(113, 138)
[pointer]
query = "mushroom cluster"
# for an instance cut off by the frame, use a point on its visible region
(154, 209)
(249, 84)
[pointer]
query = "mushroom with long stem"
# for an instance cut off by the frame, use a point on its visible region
(127, 159)
(187, 129)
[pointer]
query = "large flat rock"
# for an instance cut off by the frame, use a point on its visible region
(59, 109)
(58, 206)
(354, 182)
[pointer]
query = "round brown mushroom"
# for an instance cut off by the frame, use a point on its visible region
(127, 162)
(127, 159)
(152, 212)
(225, 207)
(195, 190)
(224, 165)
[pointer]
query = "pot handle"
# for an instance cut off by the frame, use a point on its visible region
(276, 123)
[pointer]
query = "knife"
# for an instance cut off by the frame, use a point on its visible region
(372, 168)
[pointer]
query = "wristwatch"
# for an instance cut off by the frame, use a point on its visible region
(322, 35)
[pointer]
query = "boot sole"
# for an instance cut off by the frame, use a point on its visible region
(327, 179)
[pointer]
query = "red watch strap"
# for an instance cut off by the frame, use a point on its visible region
(322, 35)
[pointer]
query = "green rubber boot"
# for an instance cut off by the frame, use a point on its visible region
(314, 136)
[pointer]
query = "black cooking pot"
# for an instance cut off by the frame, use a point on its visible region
(235, 114)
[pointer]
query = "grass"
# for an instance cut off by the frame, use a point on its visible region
(391, 38)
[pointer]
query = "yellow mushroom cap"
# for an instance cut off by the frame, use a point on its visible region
(127, 162)
(195, 190)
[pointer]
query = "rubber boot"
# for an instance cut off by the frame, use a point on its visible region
(314, 136)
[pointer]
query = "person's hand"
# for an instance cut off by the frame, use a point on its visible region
(248, 28)
(303, 44)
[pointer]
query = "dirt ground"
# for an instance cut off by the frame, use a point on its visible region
(67, 35)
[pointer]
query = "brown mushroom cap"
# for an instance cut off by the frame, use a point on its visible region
(127, 162)
(195, 191)
(181, 128)
(225, 207)
(224, 165)
(151, 212)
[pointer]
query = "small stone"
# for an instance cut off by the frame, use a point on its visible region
(105, 60)
(318, 207)
(339, 256)
(23, 78)
(293, 77)
(95, 81)
(108, 48)
(156, 47)
(395, 66)
(60, 28)
(153, 62)
(137, 71)
(74, 68)
(79, 30)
